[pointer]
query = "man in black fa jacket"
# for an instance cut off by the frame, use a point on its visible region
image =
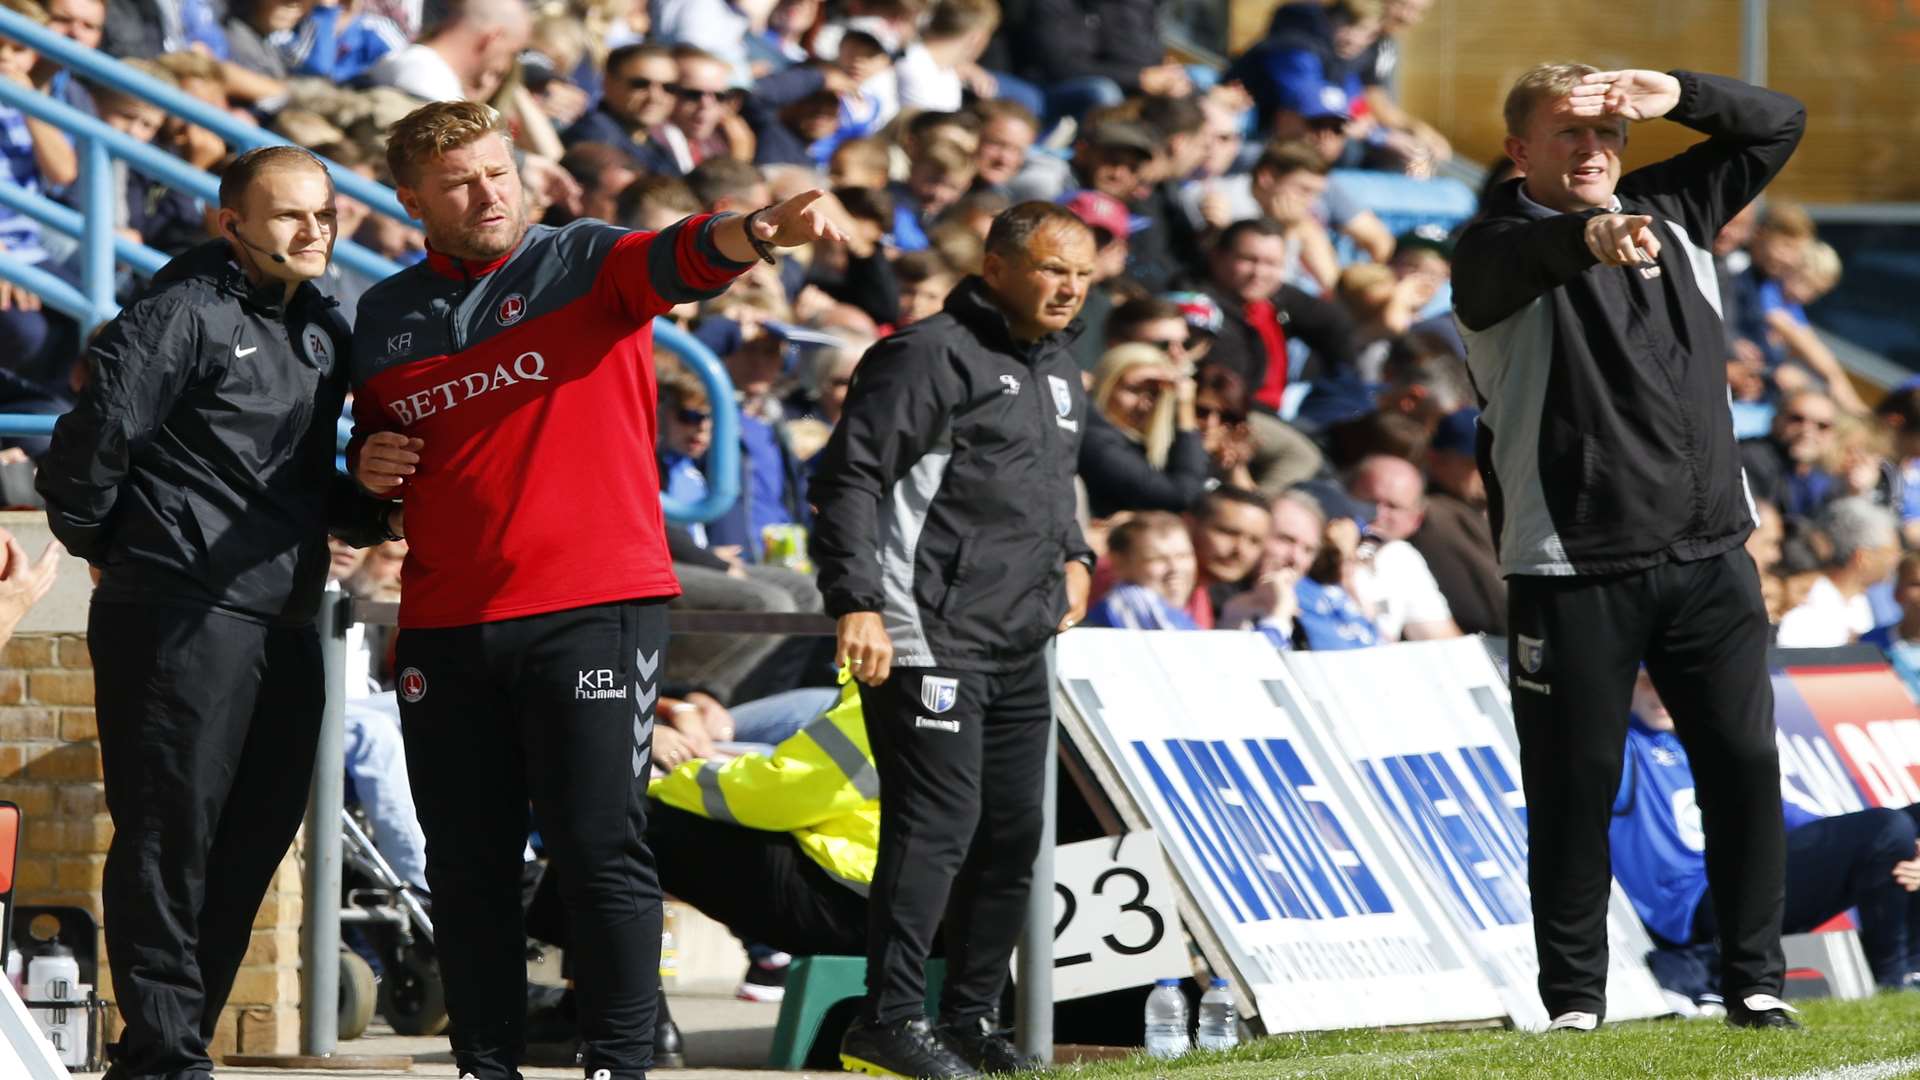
(949, 551)
(196, 476)
(1590, 308)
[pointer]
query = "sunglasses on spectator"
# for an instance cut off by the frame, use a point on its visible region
(638, 83)
(692, 417)
(1204, 413)
(688, 93)
(1815, 422)
(1170, 344)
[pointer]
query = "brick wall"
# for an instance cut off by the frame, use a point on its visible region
(50, 766)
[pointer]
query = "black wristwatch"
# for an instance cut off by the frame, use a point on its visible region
(760, 247)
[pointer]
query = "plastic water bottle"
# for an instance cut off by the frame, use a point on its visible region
(54, 976)
(1166, 1020)
(1219, 1026)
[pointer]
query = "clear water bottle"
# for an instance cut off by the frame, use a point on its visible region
(1219, 1023)
(1166, 1020)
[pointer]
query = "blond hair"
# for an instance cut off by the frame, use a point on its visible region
(1114, 365)
(1541, 82)
(192, 65)
(29, 8)
(1788, 219)
(1820, 266)
(431, 131)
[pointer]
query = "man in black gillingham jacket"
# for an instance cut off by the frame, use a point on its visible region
(1590, 308)
(949, 551)
(196, 476)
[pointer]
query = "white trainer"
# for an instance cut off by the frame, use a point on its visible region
(1574, 1021)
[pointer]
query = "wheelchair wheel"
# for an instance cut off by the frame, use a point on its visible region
(411, 996)
(357, 995)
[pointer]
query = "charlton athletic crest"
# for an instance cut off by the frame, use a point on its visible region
(413, 685)
(938, 694)
(512, 310)
(1062, 395)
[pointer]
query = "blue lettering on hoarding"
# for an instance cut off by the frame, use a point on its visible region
(1269, 850)
(1455, 834)
(1290, 780)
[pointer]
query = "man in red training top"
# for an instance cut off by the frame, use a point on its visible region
(513, 370)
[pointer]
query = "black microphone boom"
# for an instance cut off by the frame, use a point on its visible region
(274, 255)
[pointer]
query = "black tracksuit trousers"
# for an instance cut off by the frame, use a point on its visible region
(208, 727)
(553, 710)
(961, 778)
(1577, 644)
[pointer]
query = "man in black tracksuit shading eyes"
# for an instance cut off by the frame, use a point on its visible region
(1590, 308)
(949, 551)
(196, 475)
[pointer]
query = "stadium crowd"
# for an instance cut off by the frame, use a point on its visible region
(1285, 429)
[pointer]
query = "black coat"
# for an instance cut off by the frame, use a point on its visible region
(198, 467)
(1071, 39)
(1119, 477)
(945, 498)
(1322, 326)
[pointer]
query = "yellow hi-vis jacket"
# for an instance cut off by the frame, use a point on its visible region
(820, 785)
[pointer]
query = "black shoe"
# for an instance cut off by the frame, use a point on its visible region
(980, 1046)
(904, 1048)
(1761, 1011)
(669, 1049)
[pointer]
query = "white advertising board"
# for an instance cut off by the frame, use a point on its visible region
(1321, 912)
(1427, 726)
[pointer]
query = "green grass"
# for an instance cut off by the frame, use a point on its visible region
(1838, 1033)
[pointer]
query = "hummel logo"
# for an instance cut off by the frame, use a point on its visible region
(248, 351)
(597, 686)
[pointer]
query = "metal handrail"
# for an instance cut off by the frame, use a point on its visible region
(100, 68)
(159, 164)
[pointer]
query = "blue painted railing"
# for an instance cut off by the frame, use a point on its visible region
(92, 304)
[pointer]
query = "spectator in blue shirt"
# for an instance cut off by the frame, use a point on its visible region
(339, 41)
(38, 345)
(1154, 570)
(81, 22)
(1310, 56)
(1287, 603)
(1866, 860)
(1900, 639)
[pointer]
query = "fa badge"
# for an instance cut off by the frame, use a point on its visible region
(938, 694)
(319, 352)
(1531, 652)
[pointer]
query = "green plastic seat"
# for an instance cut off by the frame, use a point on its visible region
(815, 984)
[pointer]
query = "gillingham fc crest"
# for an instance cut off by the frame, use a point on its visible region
(1531, 652)
(413, 685)
(938, 694)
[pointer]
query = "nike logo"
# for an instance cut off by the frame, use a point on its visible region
(248, 351)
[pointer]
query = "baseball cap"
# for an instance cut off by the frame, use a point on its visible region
(1315, 99)
(1124, 135)
(1457, 432)
(1201, 312)
(1425, 238)
(1102, 211)
(878, 31)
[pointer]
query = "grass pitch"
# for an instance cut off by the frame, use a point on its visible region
(1874, 1039)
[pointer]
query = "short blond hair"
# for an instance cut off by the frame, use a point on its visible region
(1788, 219)
(1820, 266)
(1541, 82)
(30, 8)
(192, 65)
(430, 131)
